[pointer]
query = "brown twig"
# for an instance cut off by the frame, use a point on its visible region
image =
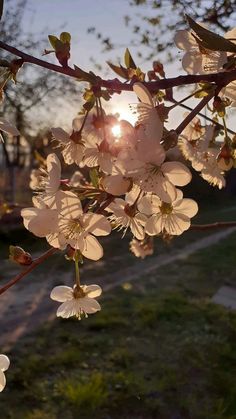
(218, 224)
(29, 268)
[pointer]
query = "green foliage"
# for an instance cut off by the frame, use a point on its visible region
(84, 397)
(210, 40)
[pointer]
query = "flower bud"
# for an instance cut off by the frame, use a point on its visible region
(18, 255)
(158, 68)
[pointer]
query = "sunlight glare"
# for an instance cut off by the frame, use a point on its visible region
(116, 131)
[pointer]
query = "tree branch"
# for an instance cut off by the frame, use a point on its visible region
(29, 268)
(218, 224)
(220, 79)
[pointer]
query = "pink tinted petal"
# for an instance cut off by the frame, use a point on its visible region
(4, 362)
(137, 229)
(62, 293)
(187, 207)
(177, 173)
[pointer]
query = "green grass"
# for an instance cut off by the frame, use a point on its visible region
(160, 350)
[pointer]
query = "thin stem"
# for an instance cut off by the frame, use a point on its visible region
(225, 128)
(77, 273)
(29, 268)
(207, 118)
(218, 224)
(184, 99)
(193, 113)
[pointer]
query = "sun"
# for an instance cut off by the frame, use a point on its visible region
(116, 130)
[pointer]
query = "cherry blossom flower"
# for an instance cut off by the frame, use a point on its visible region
(152, 174)
(78, 229)
(141, 248)
(211, 170)
(194, 129)
(4, 365)
(72, 144)
(197, 59)
(171, 218)
(126, 216)
(76, 301)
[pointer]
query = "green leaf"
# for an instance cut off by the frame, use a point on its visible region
(129, 62)
(1, 8)
(65, 37)
(210, 40)
(121, 71)
(93, 174)
(53, 40)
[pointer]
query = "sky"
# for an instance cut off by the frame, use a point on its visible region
(75, 16)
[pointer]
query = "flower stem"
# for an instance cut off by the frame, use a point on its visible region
(77, 273)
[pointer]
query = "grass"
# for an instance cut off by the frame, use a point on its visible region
(160, 350)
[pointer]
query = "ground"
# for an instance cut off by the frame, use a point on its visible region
(158, 349)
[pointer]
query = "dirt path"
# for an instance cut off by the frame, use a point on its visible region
(27, 305)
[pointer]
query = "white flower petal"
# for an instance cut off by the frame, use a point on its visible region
(192, 62)
(176, 224)
(7, 127)
(60, 135)
(187, 207)
(177, 173)
(68, 309)
(2, 381)
(96, 224)
(62, 293)
(143, 93)
(92, 291)
(90, 248)
(184, 40)
(40, 222)
(4, 362)
(154, 225)
(89, 305)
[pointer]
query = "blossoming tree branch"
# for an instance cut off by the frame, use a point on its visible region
(130, 179)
